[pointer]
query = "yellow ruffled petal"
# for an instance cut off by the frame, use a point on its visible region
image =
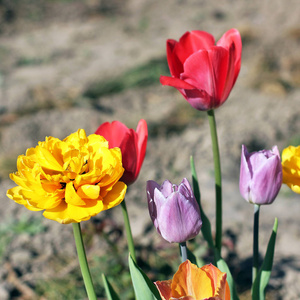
(72, 179)
(47, 160)
(82, 213)
(59, 214)
(89, 191)
(14, 194)
(115, 196)
(291, 168)
(71, 196)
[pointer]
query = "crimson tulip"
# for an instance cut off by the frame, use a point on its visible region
(203, 72)
(132, 144)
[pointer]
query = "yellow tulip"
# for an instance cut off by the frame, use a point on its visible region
(71, 180)
(193, 283)
(291, 167)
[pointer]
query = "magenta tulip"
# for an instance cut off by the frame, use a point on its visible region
(132, 143)
(203, 72)
(260, 175)
(174, 210)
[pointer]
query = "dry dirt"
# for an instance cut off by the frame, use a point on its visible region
(50, 54)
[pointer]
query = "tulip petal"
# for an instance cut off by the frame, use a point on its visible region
(219, 284)
(142, 137)
(175, 82)
(185, 189)
(151, 187)
(219, 58)
(178, 219)
(88, 191)
(59, 214)
(164, 288)
(198, 99)
(232, 39)
(71, 195)
(15, 194)
(115, 196)
(200, 77)
(190, 280)
(167, 188)
(129, 156)
(230, 76)
(191, 42)
(175, 65)
(266, 181)
(291, 167)
(113, 132)
(245, 174)
(47, 160)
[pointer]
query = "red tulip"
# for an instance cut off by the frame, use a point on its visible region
(132, 144)
(203, 72)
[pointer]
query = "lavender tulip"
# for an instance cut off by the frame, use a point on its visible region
(174, 210)
(260, 175)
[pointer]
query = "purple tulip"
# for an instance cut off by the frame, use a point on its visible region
(174, 210)
(260, 175)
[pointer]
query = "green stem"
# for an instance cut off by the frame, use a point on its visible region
(83, 262)
(183, 251)
(218, 178)
(255, 242)
(128, 231)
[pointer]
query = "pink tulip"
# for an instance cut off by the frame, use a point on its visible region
(132, 144)
(203, 72)
(260, 175)
(174, 210)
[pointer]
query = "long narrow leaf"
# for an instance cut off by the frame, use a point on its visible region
(110, 292)
(192, 258)
(206, 227)
(263, 276)
(144, 289)
(223, 267)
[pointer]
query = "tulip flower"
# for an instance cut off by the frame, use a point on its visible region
(260, 175)
(291, 167)
(132, 144)
(193, 283)
(203, 72)
(174, 210)
(71, 180)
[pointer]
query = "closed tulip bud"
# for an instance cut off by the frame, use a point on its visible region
(132, 143)
(260, 175)
(174, 210)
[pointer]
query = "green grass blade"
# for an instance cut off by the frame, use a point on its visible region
(206, 227)
(263, 276)
(144, 289)
(223, 267)
(110, 292)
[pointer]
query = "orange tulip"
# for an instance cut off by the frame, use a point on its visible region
(193, 283)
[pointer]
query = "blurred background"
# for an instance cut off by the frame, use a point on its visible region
(75, 64)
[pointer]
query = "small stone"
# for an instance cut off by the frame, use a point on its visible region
(4, 294)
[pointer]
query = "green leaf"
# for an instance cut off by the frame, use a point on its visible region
(263, 276)
(144, 289)
(192, 258)
(206, 227)
(110, 292)
(223, 267)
